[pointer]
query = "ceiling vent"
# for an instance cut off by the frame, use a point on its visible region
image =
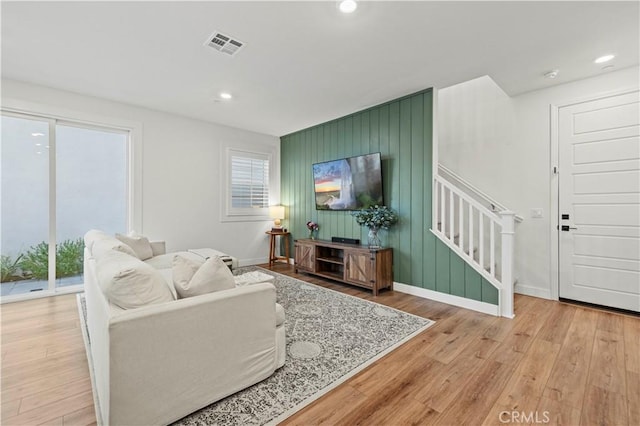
(224, 43)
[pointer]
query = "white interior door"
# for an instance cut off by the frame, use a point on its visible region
(599, 201)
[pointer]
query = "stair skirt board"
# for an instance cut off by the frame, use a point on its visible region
(450, 299)
(476, 255)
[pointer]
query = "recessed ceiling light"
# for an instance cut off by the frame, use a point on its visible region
(605, 58)
(37, 134)
(348, 6)
(225, 95)
(38, 144)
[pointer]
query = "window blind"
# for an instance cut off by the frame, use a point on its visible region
(249, 182)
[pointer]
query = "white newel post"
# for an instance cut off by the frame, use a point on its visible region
(508, 231)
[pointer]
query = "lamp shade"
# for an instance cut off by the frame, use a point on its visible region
(276, 212)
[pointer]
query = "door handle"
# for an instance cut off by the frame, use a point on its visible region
(567, 227)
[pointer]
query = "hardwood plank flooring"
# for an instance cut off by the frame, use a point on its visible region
(44, 375)
(574, 365)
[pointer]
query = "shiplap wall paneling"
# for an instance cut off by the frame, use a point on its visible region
(401, 130)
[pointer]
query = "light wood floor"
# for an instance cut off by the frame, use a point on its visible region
(570, 365)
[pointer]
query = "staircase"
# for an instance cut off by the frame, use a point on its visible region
(480, 231)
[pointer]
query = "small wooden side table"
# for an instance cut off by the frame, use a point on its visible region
(272, 246)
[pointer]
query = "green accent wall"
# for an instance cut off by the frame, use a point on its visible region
(401, 130)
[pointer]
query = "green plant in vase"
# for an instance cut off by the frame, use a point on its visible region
(375, 218)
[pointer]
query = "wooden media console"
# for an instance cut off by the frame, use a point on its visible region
(349, 263)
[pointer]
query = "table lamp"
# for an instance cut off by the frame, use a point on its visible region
(277, 214)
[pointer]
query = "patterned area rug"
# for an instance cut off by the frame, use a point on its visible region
(330, 337)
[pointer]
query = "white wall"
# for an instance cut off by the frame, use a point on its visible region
(180, 171)
(502, 145)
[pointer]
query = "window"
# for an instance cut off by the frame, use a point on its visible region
(59, 179)
(249, 182)
(248, 186)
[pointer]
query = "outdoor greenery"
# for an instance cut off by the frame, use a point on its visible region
(69, 258)
(10, 269)
(35, 262)
(376, 217)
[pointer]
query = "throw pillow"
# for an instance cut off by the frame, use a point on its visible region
(129, 283)
(99, 247)
(182, 270)
(191, 279)
(139, 244)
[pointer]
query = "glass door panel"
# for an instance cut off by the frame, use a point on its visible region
(91, 192)
(25, 205)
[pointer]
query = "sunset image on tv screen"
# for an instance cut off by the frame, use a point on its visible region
(348, 184)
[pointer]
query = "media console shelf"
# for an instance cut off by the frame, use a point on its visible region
(348, 263)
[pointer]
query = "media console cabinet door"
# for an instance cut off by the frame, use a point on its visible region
(305, 257)
(359, 268)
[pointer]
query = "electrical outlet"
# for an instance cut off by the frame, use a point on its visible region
(537, 213)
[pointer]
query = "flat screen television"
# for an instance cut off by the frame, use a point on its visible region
(353, 183)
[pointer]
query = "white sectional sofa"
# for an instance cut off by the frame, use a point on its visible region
(157, 363)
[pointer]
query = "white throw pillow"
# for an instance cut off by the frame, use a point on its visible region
(130, 283)
(139, 244)
(192, 279)
(100, 247)
(182, 270)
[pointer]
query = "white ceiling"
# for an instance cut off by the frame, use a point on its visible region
(305, 63)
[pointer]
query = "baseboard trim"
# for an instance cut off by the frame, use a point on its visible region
(533, 291)
(251, 262)
(474, 305)
(259, 261)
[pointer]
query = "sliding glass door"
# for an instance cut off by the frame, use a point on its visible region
(59, 179)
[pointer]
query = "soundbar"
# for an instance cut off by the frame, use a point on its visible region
(345, 240)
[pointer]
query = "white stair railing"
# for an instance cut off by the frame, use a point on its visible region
(483, 238)
(471, 190)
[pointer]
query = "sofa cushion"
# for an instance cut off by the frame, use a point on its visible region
(183, 270)
(94, 235)
(102, 246)
(128, 282)
(168, 278)
(165, 261)
(192, 279)
(140, 245)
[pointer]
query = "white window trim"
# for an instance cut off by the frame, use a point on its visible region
(229, 214)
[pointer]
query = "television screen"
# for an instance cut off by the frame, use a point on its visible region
(353, 183)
